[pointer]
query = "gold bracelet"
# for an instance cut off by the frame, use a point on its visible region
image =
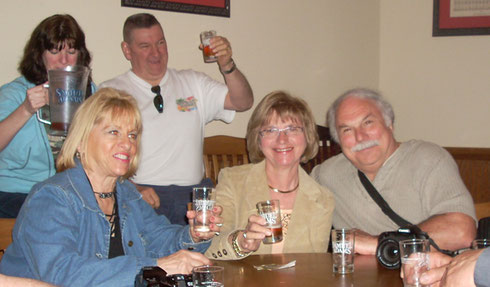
(234, 242)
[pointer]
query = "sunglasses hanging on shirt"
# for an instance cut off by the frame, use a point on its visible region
(158, 99)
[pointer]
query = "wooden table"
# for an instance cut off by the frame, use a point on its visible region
(312, 269)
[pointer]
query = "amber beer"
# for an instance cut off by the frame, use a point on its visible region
(208, 54)
(270, 210)
(60, 126)
(275, 237)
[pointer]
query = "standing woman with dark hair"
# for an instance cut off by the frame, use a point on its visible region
(26, 150)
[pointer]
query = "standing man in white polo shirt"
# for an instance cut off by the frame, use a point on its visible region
(175, 106)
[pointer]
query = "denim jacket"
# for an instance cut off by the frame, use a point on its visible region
(62, 237)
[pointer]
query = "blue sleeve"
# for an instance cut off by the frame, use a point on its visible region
(93, 87)
(482, 276)
(164, 238)
(12, 95)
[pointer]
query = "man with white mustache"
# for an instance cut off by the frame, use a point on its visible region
(419, 180)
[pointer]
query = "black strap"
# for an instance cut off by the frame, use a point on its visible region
(385, 207)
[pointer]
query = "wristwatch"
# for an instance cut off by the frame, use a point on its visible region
(236, 247)
(229, 71)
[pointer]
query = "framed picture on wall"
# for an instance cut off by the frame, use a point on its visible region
(219, 8)
(461, 17)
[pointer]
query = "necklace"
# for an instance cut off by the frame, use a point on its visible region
(105, 195)
(283, 191)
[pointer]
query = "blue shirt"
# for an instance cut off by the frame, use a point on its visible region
(27, 159)
(62, 237)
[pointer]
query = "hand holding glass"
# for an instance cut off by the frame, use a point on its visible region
(203, 200)
(414, 254)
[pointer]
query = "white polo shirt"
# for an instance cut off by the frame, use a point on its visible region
(172, 142)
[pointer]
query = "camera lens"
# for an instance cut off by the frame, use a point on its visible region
(388, 254)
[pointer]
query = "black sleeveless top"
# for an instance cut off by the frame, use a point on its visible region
(115, 246)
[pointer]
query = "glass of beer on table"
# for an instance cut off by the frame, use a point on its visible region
(270, 210)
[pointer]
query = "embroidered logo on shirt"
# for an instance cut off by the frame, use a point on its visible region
(187, 104)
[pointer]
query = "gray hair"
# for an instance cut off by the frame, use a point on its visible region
(362, 93)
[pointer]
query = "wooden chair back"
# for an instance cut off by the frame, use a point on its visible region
(6, 227)
(474, 168)
(223, 151)
(327, 148)
(482, 210)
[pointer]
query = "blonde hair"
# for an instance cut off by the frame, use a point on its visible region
(105, 103)
(286, 107)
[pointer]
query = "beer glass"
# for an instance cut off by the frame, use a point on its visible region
(414, 254)
(343, 242)
(270, 210)
(203, 200)
(208, 276)
(67, 89)
(207, 52)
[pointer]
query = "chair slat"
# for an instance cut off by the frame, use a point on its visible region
(224, 151)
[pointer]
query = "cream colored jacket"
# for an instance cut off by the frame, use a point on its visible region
(241, 187)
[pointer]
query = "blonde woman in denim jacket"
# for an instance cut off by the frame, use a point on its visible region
(88, 225)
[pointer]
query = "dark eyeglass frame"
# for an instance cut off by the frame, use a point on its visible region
(158, 99)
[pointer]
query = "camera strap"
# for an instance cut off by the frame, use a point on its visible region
(381, 202)
(385, 207)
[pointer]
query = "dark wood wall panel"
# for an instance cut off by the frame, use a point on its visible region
(474, 167)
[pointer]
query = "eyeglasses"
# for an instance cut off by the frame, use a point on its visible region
(158, 99)
(275, 132)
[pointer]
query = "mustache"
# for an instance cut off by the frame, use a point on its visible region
(364, 145)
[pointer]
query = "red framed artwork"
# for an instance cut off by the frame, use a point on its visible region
(219, 8)
(461, 17)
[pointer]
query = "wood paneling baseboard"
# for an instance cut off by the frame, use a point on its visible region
(474, 167)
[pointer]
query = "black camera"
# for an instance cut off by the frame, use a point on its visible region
(155, 276)
(388, 250)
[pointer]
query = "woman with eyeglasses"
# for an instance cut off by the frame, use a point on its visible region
(27, 151)
(281, 134)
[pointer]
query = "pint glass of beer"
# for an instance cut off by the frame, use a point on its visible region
(270, 210)
(203, 199)
(207, 52)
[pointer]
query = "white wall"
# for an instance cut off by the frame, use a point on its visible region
(439, 86)
(315, 49)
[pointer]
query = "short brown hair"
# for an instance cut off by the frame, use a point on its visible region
(286, 107)
(138, 21)
(106, 102)
(53, 32)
